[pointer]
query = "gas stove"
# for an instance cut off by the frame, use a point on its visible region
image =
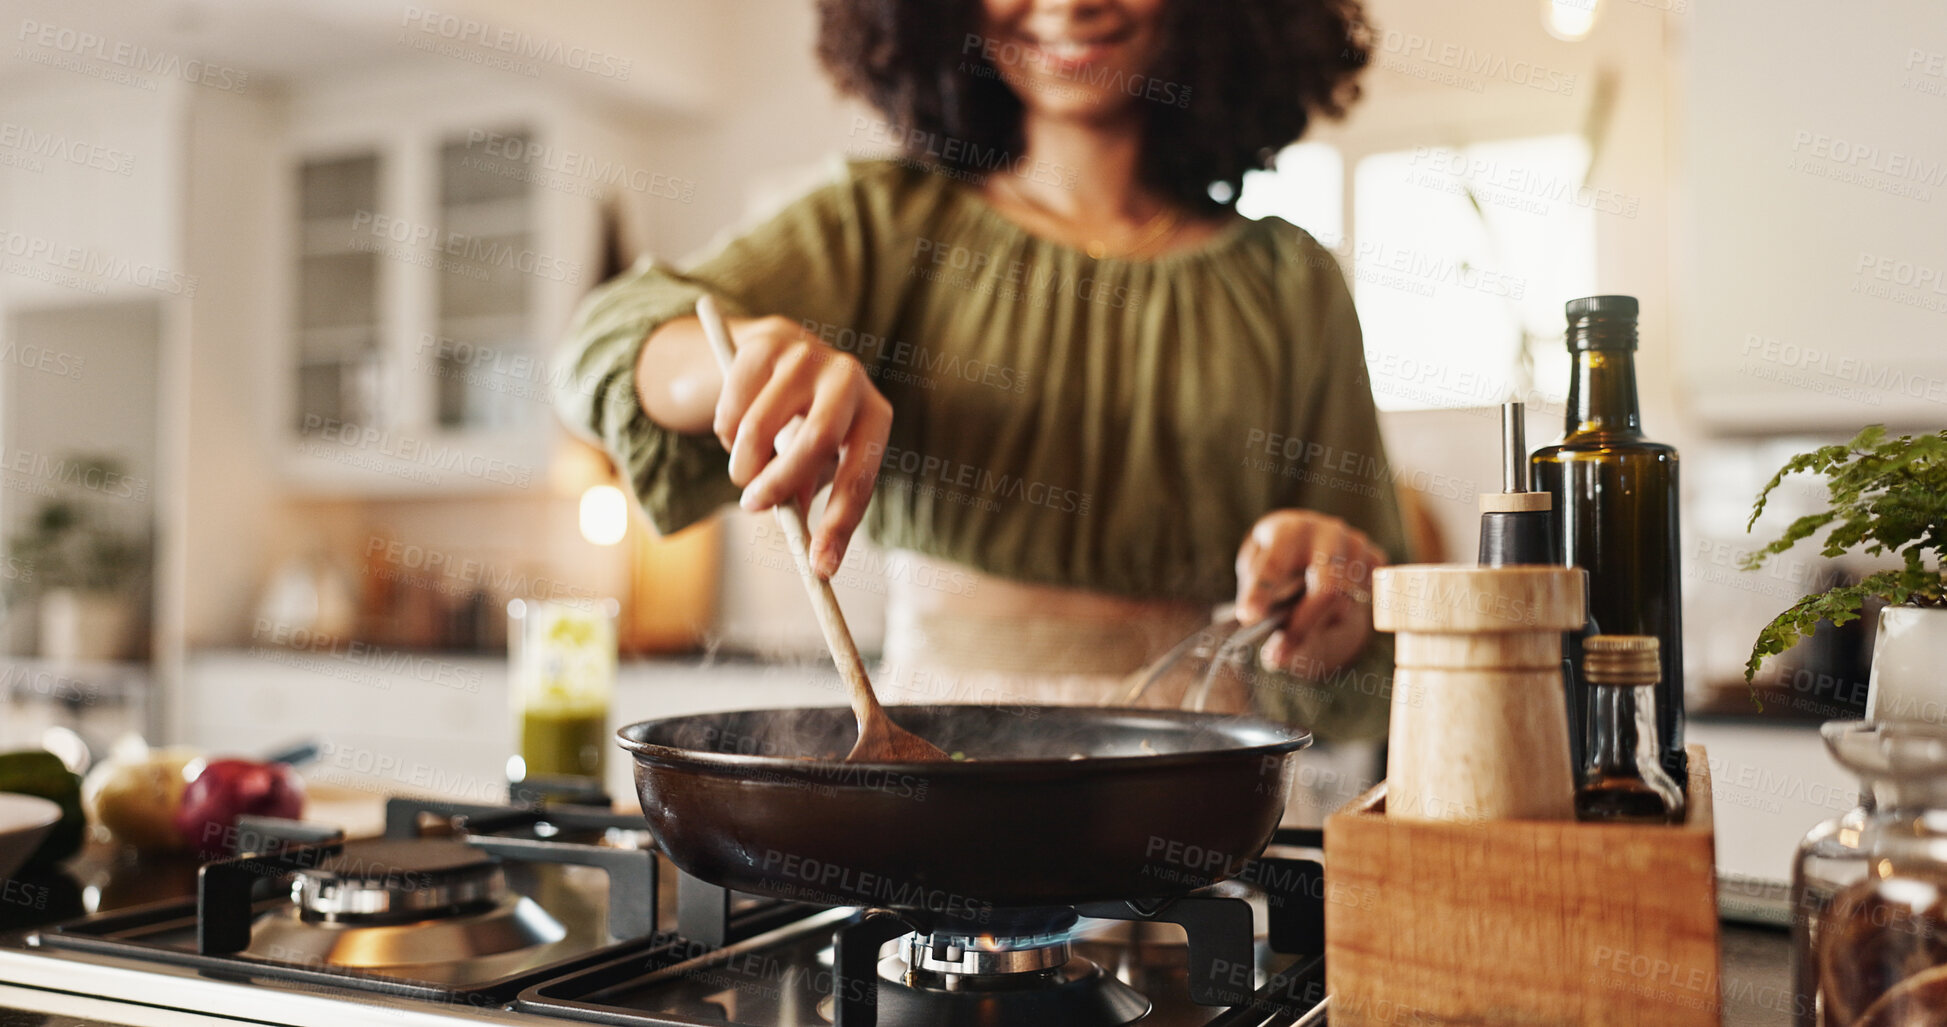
(566, 914)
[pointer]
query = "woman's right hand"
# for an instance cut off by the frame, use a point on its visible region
(783, 373)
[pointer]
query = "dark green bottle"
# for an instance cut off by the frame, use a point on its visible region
(1615, 498)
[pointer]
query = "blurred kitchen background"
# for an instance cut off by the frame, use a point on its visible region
(274, 465)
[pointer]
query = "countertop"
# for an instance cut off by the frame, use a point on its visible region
(1756, 976)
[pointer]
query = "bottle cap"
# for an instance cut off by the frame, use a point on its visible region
(1601, 323)
(1602, 306)
(1621, 660)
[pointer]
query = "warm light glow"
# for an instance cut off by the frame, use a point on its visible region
(604, 515)
(1569, 19)
(70, 747)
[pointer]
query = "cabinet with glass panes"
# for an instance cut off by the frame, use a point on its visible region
(431, 266)
(338, 351)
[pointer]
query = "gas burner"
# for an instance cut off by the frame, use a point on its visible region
(961, 963)
(510, 926)
(968, 982)
(419, 914)
(388, 881)
(401, 902)
(1026, 973)
(1016, 948)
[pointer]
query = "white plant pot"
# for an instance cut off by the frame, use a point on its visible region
(1909, 679)
(84, 627)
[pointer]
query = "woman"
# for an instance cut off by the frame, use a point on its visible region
(1084, 398)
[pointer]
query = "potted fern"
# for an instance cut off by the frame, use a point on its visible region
(87, 571)
(1887, 497)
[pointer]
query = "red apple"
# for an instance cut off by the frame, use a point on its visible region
(229, 788)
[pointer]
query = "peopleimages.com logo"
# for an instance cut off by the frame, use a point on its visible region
(74, 46)
(516, 43)
(1005, 57)
(90, 268)
(414, 454)
(471, 250)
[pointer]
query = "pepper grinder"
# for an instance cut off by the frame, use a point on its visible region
(1478, 709)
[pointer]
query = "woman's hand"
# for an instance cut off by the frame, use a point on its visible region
(1333, 561)
(783, 374)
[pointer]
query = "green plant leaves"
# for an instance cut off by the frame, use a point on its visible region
(1886, 496)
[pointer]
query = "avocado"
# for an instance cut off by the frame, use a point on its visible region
(38, 772)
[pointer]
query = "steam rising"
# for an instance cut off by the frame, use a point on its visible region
(983, 733)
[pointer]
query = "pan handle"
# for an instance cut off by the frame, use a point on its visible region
(1210, 636)
(1242, 645)
(1213, 645)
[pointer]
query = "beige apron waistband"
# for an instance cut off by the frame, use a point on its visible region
(1007, 660)
(1032, 645)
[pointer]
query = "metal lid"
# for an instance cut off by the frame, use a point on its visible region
(1602, 306)
(1621, 660)
(1601, 323)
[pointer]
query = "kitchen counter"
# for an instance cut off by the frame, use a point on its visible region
(80, 1008)
(1756, 976)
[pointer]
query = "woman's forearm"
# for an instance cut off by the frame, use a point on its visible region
(676, 377)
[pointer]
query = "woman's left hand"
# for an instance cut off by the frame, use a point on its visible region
(1333, 562)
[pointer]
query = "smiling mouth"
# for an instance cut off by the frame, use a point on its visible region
(1065, 52)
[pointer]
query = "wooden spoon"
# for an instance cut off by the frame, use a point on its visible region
(880, 740)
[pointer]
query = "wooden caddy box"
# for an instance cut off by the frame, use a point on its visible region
(1514, 923)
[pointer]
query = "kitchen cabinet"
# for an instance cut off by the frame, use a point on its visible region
(1814, 284)
(437, 246)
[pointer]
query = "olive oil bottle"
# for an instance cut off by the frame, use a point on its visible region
(1615, 501)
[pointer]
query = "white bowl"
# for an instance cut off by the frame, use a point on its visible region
(24, 821)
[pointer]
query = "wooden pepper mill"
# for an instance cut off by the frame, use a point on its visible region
(1478, 714)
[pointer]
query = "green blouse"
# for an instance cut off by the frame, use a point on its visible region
(1114, 425)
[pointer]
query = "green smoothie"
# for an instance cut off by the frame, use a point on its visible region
(567, 741)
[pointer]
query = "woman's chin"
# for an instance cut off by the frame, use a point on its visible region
(1066, 101)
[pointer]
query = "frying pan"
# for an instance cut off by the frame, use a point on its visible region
(1161, 802)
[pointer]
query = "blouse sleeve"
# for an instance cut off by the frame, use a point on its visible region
(808, 262)
(1344, 473)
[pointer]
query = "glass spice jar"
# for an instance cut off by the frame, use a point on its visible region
(1870, 887)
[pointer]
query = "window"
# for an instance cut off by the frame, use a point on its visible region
(1459, 260)
(1306, 188)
